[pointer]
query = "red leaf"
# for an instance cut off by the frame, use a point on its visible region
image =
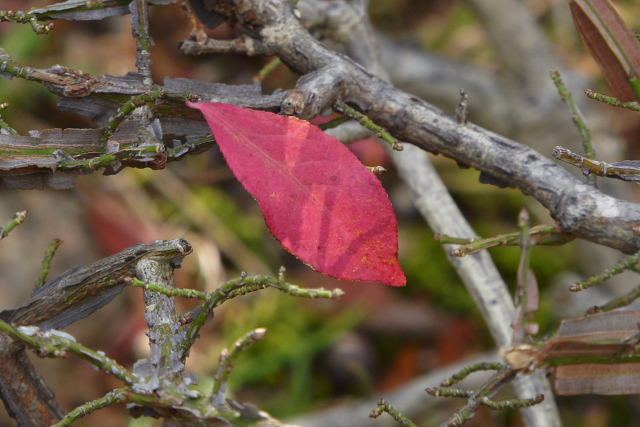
(317, 199)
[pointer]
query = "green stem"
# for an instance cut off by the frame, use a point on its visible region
(612, 100)
(4, 125)
(69, 161)
(511, 403)
(524, 278)
(621, 301)
(335, 122)
(606, 275)
(626, 170)
(468, 370)
(449, 392)
(115, 396)
(539, 235)
(46, 262)
(54, 10)
(170, 292)
(490, 388)
(242, 286)
(635, 85)
(268, 69)
(23, 17)
(385, 406)
(577, 116)
(138, 101)
(54, 343)
(369, 124)
(17, 219)
(228, 360)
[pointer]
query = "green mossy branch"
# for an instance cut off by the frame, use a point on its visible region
(170, 292)
(369, 124)
(620, 267)
(134, 102)
(335, 122)
(449, 392)
(385, 406)
(114, 396)
(46, 262)
(53, 343)
(511, 403)
(22, 17)
(626, 170)
(538, 234)
(612, 100)
(468, 370)
(54, 11)
(242, 286)
(577, 117)
(228, 360)
(268, 68)
(619, 302)
(4, 125)
(17, 219)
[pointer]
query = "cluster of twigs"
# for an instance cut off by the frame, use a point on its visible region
(181, 402)
(527, 237)
(167, 391)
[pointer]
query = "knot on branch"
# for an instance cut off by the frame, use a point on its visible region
(73, 83)
(314, 93)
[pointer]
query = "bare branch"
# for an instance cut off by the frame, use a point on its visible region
(80, 291)
(24, 393)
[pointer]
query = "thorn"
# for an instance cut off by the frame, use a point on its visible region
(377, 170)
(397, 146)
(432, 391)
(461, 108)
(337, 292)
(259, 333)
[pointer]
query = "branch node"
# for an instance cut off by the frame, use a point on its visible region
(462, 108)
(385, 406)
(17, 220)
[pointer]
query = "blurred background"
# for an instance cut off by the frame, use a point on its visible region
(317, 353)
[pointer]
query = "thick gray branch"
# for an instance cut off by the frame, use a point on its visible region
(165, 334)
(41, 160)
(81, 291)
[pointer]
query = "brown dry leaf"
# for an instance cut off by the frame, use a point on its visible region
(608, 334)
(612, 44)
(597, 378)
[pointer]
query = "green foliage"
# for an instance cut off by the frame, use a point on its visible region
(248, 226)
(26, 47)
(431, 271)
(285, 361)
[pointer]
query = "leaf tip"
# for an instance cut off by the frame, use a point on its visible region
(398, 279)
